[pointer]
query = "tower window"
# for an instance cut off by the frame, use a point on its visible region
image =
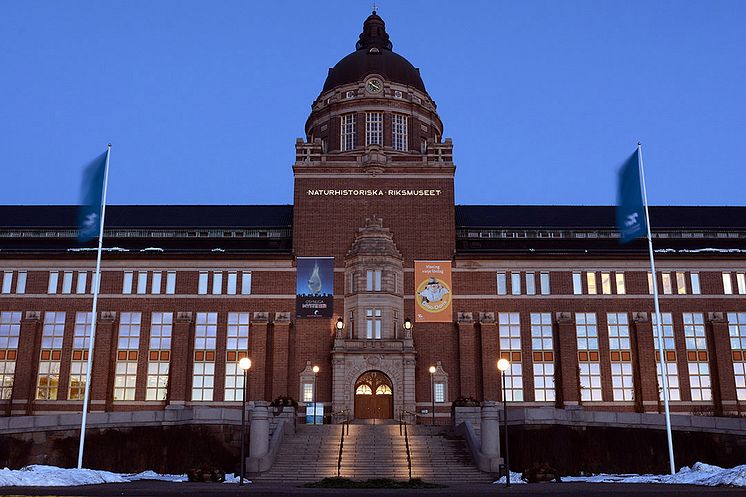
(400, 132)
(374, 128)
(347, 132)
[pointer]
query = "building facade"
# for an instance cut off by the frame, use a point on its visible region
(186, 291)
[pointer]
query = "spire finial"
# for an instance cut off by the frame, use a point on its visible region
(374, 8)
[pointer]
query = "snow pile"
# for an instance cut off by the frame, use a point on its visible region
(104, 249)
(52, 476)
(514, 478)
(699, 474)
(152, 249)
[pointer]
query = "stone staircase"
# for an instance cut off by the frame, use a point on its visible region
(373, 451)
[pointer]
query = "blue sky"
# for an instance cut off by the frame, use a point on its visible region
(203, 100)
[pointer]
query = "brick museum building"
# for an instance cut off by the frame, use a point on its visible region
(414, 281)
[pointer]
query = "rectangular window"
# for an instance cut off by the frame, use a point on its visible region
(667, 287)
(588, 356)
(142, 282)
(7, 281)
(669, 349)
(694, 280)
(509, 332)
(78, 375)
(681, 283)
(697, 358)
(171, 282)
(21, 282)
(544, 279)
(577, 284)
(202, 288)
(502, 284)
(591, 282)
(373, 281)
(95, 282)
(737, 332)
(82, 332)
(373, 324)
(52, 286)
(10, 329)
(399, 132)
(606, 283)
(82, 280)
(155, 284)
(67, 282)
(440, 392)
(129, 331)
(128, 344)
(740, 280)
(530, 284)
(48, 377)
(237, 346)
(308, 392)
(621, 356)
(621, 288)
(159, 355)
(245, 283)
(727, 284)
(127, 283)
(515, 283)
(543, 354)
(347, 132)
(217, 283)
(205, 337)
(374, 128)
(231, 283)
(650, 283)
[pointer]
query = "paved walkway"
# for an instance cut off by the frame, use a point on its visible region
(164, 489)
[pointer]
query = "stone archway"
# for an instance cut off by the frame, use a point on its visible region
(374, 396)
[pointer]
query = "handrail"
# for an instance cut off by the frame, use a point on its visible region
(409, 455)
(345, 425)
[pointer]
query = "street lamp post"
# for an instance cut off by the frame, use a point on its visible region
(432, 389)
(315, 373)
(245, 365)
(502, 366)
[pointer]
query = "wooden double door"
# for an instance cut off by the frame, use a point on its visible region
(374, 397)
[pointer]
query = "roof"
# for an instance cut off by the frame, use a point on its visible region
(596, 217)
(373, 55)
(152, 216)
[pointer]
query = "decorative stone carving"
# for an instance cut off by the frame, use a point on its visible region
(108, 316)
(640, 317)
(282, 318)
(487, 317)
(564, 318)
(261, 317)
(184, 317)
(464, 318)
(33, 315)
(716, 317)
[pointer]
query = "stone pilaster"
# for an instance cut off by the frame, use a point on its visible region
(258, 380)
(566, 380)
(468, 360)
(491, 389)
(280, 344)
(102, 371)
(27, 362)
(721, 364)
(645, 373)
(180, 370)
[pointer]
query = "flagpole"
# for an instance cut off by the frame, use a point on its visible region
(96, 282)
(658, 321)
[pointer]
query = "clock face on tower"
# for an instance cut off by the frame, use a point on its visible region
(374, 85)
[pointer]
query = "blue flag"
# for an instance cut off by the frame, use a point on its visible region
(89, 215)
(630, 211)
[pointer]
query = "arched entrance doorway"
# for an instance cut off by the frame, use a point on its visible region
(374, 396)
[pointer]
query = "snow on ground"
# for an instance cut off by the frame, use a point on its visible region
(699, 474)
(52, 476)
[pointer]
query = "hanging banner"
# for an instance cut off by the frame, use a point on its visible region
(314, 293)
(432, 291)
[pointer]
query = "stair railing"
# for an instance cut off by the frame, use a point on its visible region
(403, 414)
(345, 425)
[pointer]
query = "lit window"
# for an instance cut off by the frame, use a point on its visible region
(543, 353)
(606, 283)
(347, 132)
(399, 132)
(125, 373)
(588, 356)
(697, 356)
(621, 356)
(737, 332)
(205, 337)
(509, 332)
(308, 392)
(667, 288)
(681, 283)
(740, 280)
(515, 283)
(161, 329)
(48, 377)
(374, 128)
(694, 280)
(621, 288)
(440, 391)
(650, 283)
(530, 284)
(577, 284)
(502, 285)
(669, 349)
(79, 364)
(591, 281)
(544, 279)
(10, 329)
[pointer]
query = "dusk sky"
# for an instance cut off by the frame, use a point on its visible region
(203, 101)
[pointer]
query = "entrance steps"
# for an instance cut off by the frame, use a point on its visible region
(373, 451)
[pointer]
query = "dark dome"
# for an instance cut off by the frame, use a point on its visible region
(373, 55)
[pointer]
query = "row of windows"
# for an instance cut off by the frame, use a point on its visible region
(214, 282)
(20, 280)
(515, 283)
(373, 131)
